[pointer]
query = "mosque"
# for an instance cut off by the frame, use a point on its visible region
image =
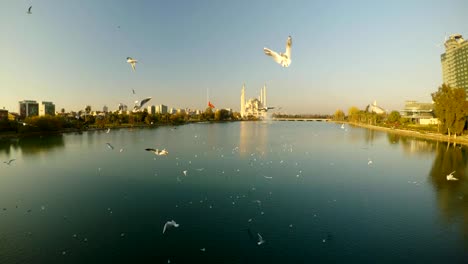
(256, 107)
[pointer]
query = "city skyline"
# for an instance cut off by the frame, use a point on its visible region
(343, 54)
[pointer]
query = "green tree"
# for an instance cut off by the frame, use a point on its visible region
(353, 114)
(222, 114)
(451, 108)
(339, 115)
(394, 117)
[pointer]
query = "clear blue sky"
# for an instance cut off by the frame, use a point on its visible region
(345, 53)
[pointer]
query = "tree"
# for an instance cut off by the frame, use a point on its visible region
(394, 117)
(339, 115)
(451, 108)
(353, 114)
(222, 114)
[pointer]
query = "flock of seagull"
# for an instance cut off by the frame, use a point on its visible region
(283, 59)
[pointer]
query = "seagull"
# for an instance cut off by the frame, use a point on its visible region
(369, 162)
(133, 90)
(132, 62)
(29, 11)
(9, 162)
(267, 177)
(203, 249)
(260, 239)
(169, 224)
(282, 58)
(110, 146)
(139, 104)
(450, 177)
(158, 152)
(185, 173)
(342, 126)
(108, 130)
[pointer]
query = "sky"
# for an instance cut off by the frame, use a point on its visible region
(344, 53)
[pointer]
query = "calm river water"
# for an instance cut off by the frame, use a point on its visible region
(314, 192)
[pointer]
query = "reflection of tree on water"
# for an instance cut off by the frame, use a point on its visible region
(413, 145)
(33, 145)
(452, 196)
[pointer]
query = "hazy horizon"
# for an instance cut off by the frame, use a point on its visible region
(343, 54)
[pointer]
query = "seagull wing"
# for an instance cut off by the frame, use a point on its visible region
(29, 9)
(288, 47)
(150, 149)
(165, 226)
(110, 146)
(260, 238)
(144, 101)
(276, 57)
(133, 65)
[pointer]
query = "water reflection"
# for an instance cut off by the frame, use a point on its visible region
(452, 196)
(253, 130)
(413, 145)
(32, 145)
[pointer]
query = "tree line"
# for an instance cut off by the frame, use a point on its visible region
(450, 107)
(63, 122)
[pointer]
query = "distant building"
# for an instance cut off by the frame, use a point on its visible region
(256, 107)
(161, 109)
(46, 108)
(28, 108)
(151, 109)
(172, 111)
(3, 114)
(105, 109)
(13, 116)
(455, 62)
(422, 113)
(180, 111)
(373, 108)
(122, 108)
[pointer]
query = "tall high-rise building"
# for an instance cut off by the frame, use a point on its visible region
(151, 109)
(105, 109)
(455, 62)
(161, 109)
(28, 108)
(46, 108)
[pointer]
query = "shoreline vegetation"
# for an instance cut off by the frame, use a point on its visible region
(463, 140)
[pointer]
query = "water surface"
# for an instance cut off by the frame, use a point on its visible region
(309, 189)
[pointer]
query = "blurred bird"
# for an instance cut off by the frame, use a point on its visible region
(169, 224)
(284, 59)
(450, 177)
(29, 11)
(132, 62)
(9, 162)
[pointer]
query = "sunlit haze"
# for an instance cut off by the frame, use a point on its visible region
(344, 53)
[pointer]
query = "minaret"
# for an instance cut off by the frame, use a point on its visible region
(264, 101)
(261, 96)
(242, 106)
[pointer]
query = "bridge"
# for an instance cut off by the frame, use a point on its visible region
(302, 119)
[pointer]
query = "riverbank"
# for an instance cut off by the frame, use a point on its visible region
(463, 140)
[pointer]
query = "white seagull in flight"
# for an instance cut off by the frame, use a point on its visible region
(132, 62)
(284, 59)
(260, 239)
(158, 152)
(109, 146)
(169, 224)
(9, 162)
(140, 104)
(450, 177)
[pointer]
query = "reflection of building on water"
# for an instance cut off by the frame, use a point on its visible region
(253, 138)
(256, 107)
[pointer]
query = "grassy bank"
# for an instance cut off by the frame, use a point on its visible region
(422, 132)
